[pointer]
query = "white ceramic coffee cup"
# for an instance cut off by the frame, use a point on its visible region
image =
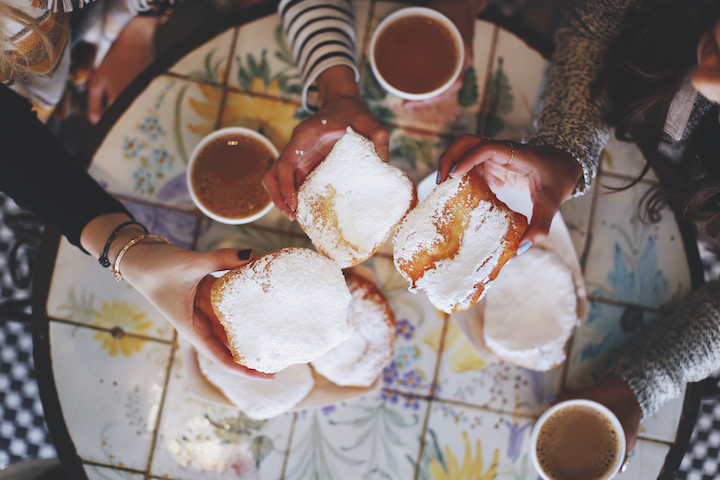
(196, 152)
(588, 403)
(427, 12)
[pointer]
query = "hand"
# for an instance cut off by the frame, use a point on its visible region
(312, 140)
(129, 55)
(463, 14)
(176, 281)
(616, 395)
(549, 174)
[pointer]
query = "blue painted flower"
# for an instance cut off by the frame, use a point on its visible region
(516, 437)
(162, 161)
(391, 396)
(132, 147)
(327, 410)
(151, 127)
(390, 373)
(144, 182)
(405, 329)
(646, 287)
(412, 379)
(412, 402)
(405, 356)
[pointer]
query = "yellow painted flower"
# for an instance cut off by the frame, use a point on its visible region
(463, 358)
(272, 116)
(471, 468)
(121, 317)
(207, 109)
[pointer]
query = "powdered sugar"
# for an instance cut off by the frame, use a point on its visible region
(451, 283)
(531, 311)
(261, 399)
(284, 308)
(360, 360)
(368, 198)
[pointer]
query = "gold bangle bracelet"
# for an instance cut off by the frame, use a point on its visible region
(116, 268)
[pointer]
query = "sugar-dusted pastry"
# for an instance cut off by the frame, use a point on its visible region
(353, 200)
(283, 308)
(531, 311)
(360, 360)
(456, 241)
(261, 399)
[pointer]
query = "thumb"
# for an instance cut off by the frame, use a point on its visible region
(539, 226)
(228, 258)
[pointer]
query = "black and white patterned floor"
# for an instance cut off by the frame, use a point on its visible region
(23, 432)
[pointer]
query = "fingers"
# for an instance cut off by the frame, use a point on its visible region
(226, 259)
(204, 304)
(381, 138)
(97, 98)
(501, 153)
(212, 348)
(271, 182)
(286, 180)
(368, 126)
(450, 156)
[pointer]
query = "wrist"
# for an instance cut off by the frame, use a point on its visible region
(336, 83)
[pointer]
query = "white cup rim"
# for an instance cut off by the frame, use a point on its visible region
(589, 403)
(196, 151)
(428, 12)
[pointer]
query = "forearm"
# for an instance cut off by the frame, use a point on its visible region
(574, 111)
(684, 347)
(335, 83)
(41, 176)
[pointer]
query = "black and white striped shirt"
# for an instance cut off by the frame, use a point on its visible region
(321, 34)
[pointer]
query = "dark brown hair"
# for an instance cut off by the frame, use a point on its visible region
(645, 68)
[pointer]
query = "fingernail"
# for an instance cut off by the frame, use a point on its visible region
(454, 167)
(437, 179)
(550, 399)
(523, 248)
(245, 254)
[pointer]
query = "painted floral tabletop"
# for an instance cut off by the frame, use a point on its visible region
(443, 412)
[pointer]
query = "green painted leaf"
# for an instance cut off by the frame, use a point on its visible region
(500, 101)
(284, 54)
(260, 448)
(177, 126)
(468, 94)
(369, 87)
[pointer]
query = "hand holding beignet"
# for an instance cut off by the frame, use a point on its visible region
(283, 308)
(353, 200)
(456, 241)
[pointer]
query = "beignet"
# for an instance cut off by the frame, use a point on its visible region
(283, 308)
(456, 241)
(353, 200)
(360, 360)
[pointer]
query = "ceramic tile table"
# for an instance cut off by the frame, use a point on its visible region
(110, 372)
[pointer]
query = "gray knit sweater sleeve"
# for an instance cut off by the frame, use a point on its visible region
(683, 347)
(573, 115)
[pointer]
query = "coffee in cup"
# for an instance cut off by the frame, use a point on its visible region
(416, 53)
(225, 175)
(578, 440)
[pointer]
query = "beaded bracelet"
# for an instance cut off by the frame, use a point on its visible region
(116, 268)
(104, 261)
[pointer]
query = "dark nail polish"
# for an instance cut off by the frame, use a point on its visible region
(454, 167)
(244, 254)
